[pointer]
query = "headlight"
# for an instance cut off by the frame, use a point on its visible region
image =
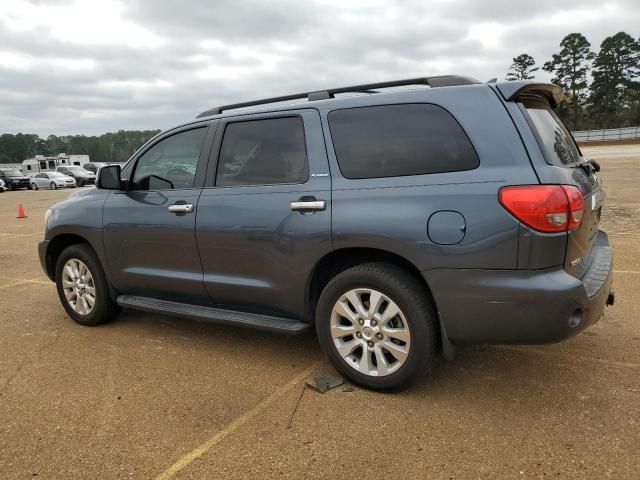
(47, 215)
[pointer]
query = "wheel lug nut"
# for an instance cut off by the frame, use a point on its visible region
(370, 343)
(379, 336)
(358, 334)
(361, 322)
(374, 323)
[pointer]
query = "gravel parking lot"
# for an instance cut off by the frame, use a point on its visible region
(151, 396)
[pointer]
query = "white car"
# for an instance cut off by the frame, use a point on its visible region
(2, 186)
(52, 180)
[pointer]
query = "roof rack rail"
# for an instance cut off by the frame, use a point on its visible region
(437, 81)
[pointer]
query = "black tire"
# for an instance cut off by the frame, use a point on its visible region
(80, 183)
(34, 186)
(104, 309)
(414, 301)
(53, 186)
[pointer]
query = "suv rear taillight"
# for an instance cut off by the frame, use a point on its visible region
(545, 208)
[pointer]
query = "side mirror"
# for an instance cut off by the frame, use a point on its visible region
(109, 178)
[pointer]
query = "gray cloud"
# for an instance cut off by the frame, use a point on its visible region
(161, 62)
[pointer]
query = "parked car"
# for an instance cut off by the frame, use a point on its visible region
(397, 224)
(13, 178)
(82, 177)
(52, 180)
(93, 167)
(2, 186)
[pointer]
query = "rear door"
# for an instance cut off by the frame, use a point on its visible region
(264, 218)
(564, 164)
(149, 229)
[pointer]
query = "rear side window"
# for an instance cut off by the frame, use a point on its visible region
(263, 152)
(398, 140)
(556, 142)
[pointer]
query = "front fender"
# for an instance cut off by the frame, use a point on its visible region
(78, 216)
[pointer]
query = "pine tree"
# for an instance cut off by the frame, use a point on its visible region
(522, 68)
(615, 90)
(570, 67)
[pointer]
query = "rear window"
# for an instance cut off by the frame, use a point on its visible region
(399, 140)
(558, 146)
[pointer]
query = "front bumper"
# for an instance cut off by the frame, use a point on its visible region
(42, 254)
(20, 184)
(521, 306)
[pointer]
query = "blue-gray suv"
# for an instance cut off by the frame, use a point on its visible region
(398, 219)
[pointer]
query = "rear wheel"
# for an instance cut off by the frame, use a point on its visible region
(53, 186)
(378, 326)
(82, 286)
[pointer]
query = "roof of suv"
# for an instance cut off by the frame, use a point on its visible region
(436, 81)
(510, 90)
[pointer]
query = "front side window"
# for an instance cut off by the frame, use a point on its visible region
(171, 163)
(399, 140)
(263, 152)
(556, 142)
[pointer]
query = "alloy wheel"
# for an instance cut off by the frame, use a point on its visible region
(78, 286)
(370, 332)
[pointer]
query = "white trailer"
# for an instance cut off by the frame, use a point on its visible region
(40, 163)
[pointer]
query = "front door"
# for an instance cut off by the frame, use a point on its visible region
(149, 229)
(264, 218)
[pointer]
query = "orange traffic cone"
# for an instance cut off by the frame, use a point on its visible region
(21, 213)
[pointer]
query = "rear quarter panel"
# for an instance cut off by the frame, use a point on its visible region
(392, 213)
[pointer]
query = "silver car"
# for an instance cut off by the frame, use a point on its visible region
(52, 180)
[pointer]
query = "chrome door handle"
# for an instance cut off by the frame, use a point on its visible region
(181, 208)
(307, 206)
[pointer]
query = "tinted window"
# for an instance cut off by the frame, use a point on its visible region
(396, 140)
(263, 152)
(171, 163)
(555, 140)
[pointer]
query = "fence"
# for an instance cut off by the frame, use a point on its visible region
(607, 135)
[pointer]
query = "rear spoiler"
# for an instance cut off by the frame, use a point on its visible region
(511, 91)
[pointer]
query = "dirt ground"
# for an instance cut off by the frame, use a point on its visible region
(149, 396)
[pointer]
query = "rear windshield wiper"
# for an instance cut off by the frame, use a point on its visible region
(591, 166)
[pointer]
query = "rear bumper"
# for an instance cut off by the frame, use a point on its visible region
(521, 306)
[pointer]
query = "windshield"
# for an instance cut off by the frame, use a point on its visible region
(557, 144)
(12, 173)
(77, 170)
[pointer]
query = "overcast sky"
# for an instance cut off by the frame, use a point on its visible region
(89, 67)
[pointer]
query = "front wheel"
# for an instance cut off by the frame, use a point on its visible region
(378, 326)
(82, 286)
(53, 186)
(34, 186)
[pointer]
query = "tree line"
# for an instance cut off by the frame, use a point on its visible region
(601, 89)
(109, 147)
